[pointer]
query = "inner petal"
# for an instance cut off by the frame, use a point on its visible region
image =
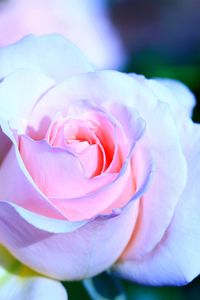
(92, 160)
(78, 131)
(81, 138)
(78, 137)
(111, 139)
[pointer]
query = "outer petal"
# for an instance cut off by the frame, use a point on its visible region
(175, 261)
(160, 200)
(109, 86)
(67, 255)
(52, 55)
(18, 282)
(20, 91)
(17, 185)
(180, 99)
(181, 92)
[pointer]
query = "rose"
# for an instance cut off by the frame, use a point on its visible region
(73, 19)
(98, 168)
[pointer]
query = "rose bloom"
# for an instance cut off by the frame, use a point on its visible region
(97, 168)
(84, 22)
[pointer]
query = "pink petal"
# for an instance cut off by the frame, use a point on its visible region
(60, 176)
(77, 136)
(142, 171)
(55, 171)
(18, 187)
(91, 160)
(160, 200)
(69, 255)
(175, 260)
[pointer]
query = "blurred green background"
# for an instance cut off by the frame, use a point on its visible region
(161, 38)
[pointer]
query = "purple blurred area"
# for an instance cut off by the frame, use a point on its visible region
(171, 26)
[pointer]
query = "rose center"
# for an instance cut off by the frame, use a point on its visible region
(87, 139)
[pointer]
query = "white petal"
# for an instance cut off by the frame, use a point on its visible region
(75, 251)
(52, 55)
(176, 259)
(20, 91)
(181, 92)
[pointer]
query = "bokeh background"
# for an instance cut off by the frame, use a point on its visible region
(157, 38)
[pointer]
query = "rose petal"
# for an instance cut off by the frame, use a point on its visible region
(180, 99)
(78, 137)
(19, 282)
(17, 185)
(97, 201)
(90, 86)
(129, 122)
(64, 176)
(160, 200)
(181, 92)
(81, 253)
(142, 166)
(41, 54)
(175, 261)
(92, 160)
(16, 101)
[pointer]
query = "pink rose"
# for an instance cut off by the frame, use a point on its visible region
(86, 23)
(98, 168)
